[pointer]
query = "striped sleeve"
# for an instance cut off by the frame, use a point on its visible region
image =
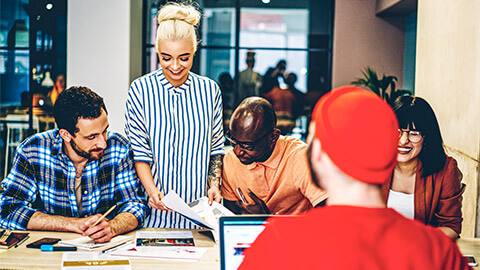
(135, 122)
(217, 125)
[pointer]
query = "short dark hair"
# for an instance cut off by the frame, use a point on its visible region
(416, 111)
(281, 63)
(74, 103)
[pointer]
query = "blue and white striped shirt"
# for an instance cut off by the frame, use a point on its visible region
(176, 130)
(42, 179)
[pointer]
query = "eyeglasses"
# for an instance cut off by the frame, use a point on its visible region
(413, 136)
(249, 146)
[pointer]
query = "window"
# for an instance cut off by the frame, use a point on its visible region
(279, 30)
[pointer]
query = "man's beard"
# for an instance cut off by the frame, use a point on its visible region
(84, 154)
(315, 179)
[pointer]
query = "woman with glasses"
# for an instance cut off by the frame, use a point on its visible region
(174, 121)
(426, 183)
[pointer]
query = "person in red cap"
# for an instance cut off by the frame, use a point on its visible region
(352, 151)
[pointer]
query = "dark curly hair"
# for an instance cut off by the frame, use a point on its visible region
(74, 103)
(415, 110)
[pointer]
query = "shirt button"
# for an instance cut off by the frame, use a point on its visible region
(85, 192)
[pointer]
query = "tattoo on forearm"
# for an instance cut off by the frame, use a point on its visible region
(215, 171)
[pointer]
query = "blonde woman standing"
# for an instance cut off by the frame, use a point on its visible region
(174, 121)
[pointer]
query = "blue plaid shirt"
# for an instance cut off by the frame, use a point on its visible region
(42, 179)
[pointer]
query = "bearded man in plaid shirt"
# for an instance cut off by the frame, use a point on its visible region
(65, 179)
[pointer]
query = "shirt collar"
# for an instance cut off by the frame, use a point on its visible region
(57, 143)
(166, 84)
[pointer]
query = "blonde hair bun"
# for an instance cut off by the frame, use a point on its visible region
(178, 11)
(177, 21)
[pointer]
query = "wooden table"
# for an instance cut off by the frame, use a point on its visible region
(470, 246)
(28, 258)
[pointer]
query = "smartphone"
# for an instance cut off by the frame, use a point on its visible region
(43, 241)
(471, 260)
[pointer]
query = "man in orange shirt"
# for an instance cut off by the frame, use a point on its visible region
(265, 172)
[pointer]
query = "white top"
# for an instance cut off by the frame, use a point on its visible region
(176, 130)
(402, 203)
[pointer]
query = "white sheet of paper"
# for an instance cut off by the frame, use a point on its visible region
(210, 213)
(161, 253)
(174, 202)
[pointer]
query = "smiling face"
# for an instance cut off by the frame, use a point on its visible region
(176, 60)
(408, 151)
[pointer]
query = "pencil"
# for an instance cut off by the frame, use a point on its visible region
(103, 216)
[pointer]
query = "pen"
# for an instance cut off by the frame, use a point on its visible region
(21, 241)
(115, 247)
(52, 248)
(240, 194)
(103, 216)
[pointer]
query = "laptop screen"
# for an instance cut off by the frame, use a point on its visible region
(237, 233)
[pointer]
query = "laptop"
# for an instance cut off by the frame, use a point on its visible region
(237, 233)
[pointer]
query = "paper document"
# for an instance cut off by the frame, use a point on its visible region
(92, 260)
(86, 243)
(210, 213)
(199, 212)
(171, 253)
(164, 238)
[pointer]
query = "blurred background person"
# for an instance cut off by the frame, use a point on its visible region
(272, 76)
(282, 101)
(298, 96)
(225, 82)
(249, 81)
(226, 85)
(58, 87)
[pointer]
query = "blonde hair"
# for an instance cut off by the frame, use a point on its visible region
(177, 21)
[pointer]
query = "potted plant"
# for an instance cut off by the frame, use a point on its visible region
(380, 87)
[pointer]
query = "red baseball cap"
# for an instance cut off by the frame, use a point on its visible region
(359, 132)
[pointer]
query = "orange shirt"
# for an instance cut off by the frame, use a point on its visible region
(283, 181)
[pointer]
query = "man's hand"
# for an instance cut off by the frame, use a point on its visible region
(214, 194)
(100, 233)
(258, 208)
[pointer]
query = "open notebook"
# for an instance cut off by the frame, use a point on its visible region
(87, 243)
